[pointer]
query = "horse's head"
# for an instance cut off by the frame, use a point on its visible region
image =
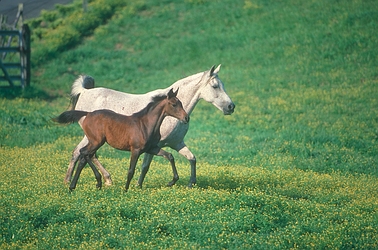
(174, 107)
(212, 91)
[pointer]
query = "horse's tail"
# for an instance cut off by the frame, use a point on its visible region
(82, 83)
(70, 116)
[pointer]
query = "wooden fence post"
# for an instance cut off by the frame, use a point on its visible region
(22, 32)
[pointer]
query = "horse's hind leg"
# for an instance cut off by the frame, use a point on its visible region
(184, 150)
(104, 172)
(95, 171)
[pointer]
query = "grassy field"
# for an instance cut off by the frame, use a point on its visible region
(295, 166)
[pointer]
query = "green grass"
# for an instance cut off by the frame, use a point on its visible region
(295, 166)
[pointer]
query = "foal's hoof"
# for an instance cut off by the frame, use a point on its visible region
(191, 185)
(173, 182)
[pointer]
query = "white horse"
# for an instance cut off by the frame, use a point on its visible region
(205, 85)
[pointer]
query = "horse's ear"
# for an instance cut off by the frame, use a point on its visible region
(217, 69)
(176, 92)
(207, 74)
(212, 71)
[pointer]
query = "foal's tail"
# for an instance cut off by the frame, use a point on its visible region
(70, 116)
(82, 83)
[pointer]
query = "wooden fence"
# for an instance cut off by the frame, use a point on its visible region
(15, 51)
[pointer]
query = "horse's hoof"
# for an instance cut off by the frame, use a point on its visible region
(191, 185)
(108, 183)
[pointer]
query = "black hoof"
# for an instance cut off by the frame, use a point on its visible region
(170, 184)
(191, 185)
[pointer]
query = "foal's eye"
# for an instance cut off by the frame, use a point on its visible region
(174, 105)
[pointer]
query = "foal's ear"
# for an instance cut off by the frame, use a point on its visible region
(172, 94)
(176, 92)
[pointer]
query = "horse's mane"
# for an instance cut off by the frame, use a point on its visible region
(155, 101)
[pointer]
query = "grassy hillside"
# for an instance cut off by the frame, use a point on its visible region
(295, 166)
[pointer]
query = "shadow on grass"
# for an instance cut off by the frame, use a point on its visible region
(219, 183)
(27, 93)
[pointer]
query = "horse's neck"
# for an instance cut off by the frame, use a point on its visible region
(189, 91)
(153, 119)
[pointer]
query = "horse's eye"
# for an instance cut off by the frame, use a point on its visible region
(214, 84)
(174, 105)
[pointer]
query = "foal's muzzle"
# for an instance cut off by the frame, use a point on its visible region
(186, 119)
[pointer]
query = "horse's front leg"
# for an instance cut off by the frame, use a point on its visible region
(160, 152)
(133, 161)
(184, 150)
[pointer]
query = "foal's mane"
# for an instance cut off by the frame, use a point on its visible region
(155, 101)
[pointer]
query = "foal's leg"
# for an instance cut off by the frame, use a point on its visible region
(95, 171)
(80, 167)
(145, 167)
(133, 161)
(74, 159)
(160, 152)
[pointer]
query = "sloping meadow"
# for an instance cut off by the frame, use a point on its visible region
(232, 207)
(294, 167)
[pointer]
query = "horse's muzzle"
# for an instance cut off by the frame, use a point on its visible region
(230, 109)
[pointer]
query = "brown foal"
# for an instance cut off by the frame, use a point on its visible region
(138, 133)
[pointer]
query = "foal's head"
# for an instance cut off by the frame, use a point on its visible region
(174, 107)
